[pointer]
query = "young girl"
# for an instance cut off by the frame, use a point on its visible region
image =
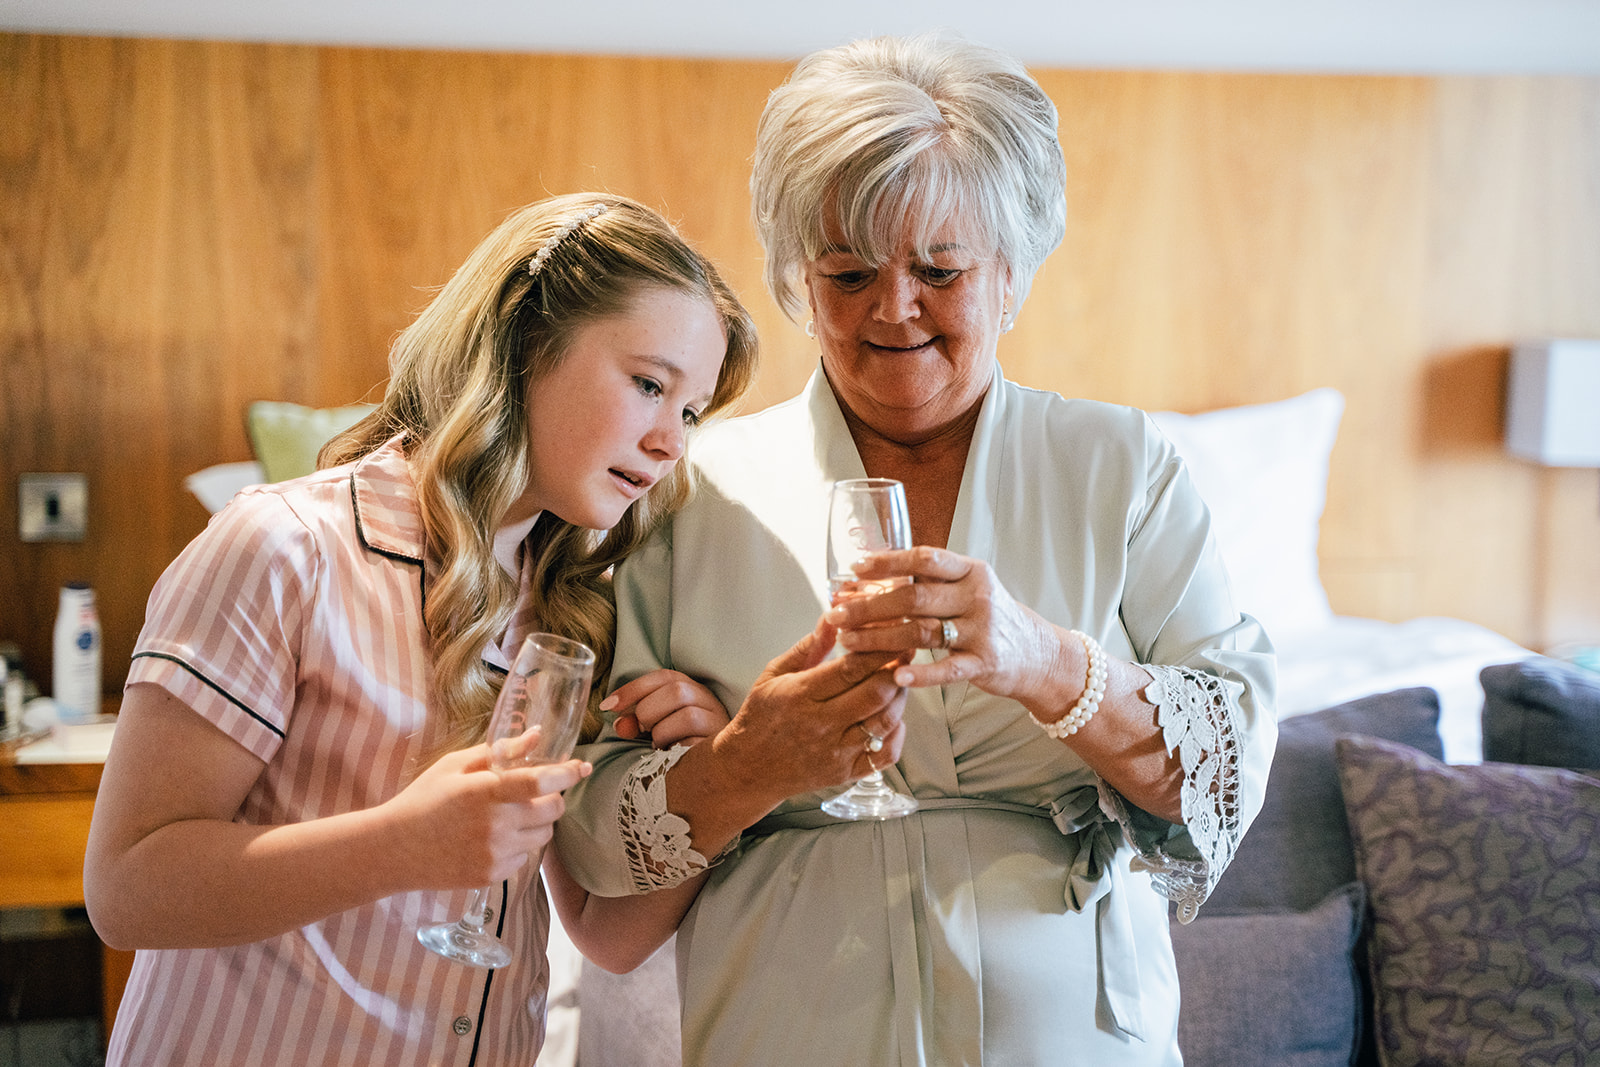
(296, 785)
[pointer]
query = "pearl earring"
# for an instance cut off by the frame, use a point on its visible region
(811, 328)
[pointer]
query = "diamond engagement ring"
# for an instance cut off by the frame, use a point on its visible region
(947, 629)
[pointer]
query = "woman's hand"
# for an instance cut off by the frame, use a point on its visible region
(1001, 646)
(808, 720)
(806, 725)
(463, 825)
(1007, 649)
(671, 707)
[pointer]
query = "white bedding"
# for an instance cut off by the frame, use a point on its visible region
(1353, 657)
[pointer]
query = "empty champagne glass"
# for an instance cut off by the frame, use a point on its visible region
(536, 720)
(866, 515)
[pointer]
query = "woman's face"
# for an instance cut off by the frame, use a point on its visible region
(609, 421)
(909, 346)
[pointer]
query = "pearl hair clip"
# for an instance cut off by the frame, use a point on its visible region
(567, 228)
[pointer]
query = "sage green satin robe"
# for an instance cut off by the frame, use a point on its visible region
(1024, 931)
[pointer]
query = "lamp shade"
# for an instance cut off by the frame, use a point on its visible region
(1553, 402)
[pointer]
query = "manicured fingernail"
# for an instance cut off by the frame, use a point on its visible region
(609, 702)
(904, 677)
(834, 616)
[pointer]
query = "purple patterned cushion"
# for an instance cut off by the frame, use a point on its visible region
(1484, 885)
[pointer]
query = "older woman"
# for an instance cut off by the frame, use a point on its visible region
(1067, 688)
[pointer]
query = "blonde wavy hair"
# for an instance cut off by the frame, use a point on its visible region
(459, 382)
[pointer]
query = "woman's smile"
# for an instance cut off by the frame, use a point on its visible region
(908, 344)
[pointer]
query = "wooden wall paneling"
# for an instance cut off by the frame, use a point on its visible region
(162, 209)
(1238, 239)
(1568, 571)
(1101, 319)
(67, 144)
(1515, 252)
(1479, 148)
(1559, 271)
(187, 227)
(390, 130)
(428, 152)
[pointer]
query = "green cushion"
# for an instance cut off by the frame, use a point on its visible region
(286, 437)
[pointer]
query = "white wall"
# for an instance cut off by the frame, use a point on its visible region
(1373, 36)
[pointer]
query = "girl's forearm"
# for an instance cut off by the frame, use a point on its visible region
(206, 883)
(617, 933)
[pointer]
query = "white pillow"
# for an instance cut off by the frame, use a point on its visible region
(215, 486)
(1263, 471)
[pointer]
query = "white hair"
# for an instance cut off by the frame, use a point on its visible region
(892, 133)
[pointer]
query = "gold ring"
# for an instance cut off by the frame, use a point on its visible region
(947, 630)
(874, 742)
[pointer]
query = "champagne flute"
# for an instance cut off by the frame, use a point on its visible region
(866, 515)
(536, 720)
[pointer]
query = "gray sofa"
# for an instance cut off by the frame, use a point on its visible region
(1388, 908)
(1384, 907)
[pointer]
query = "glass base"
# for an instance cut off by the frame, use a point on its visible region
(870, 798)
(459, 942)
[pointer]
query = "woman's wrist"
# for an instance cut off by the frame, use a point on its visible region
(718, 792)
(1090, 695)
(1065, 680)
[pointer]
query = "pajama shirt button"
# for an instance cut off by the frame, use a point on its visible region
(462, 1025)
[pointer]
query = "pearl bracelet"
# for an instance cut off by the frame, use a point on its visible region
(1094, 688)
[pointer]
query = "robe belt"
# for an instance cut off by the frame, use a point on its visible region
(1094, 878)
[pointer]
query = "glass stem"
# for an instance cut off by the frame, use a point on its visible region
(476, 916)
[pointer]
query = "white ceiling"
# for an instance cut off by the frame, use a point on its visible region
(1364, 36)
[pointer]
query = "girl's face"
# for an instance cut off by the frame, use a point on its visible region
(609, 421)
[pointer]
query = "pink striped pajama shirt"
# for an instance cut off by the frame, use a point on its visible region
(294, 625)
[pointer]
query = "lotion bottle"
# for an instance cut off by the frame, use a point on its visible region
(77, 655)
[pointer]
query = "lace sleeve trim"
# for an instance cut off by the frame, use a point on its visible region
(1198, 715)
(656, 840)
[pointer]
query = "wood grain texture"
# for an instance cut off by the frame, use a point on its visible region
(186, 227)
(157, 267)
(43, 838)
(470, 138)
(1514, 225)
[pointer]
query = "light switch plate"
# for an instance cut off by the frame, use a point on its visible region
(52, 507)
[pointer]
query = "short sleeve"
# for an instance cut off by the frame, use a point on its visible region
(224, 624)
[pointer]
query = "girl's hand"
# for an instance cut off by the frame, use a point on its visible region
(463, 825)
(668, 705)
